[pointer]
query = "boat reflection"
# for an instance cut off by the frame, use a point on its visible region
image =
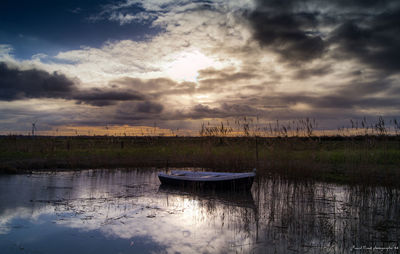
(119, 211)
(213, 197)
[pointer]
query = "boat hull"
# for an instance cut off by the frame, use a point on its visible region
(239, 183)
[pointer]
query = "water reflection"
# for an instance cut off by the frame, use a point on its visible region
(121, 211)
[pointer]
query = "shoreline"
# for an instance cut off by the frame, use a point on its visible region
(368, 160)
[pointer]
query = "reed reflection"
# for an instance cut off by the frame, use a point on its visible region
(315, 217)
(129, 205)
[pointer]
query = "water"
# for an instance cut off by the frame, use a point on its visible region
(121, 211)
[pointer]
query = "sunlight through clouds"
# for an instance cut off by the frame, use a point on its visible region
(187, 65)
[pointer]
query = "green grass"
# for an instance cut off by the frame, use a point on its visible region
(365, 160)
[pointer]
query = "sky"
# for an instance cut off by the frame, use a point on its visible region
(173, 65)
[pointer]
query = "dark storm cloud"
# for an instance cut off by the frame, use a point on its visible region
(362, 95)
(338, 102)
(313, 72)
(363, 3)
(144, 85)
(305, 30)
(222, 76)
(272, 107)
(16, 84)
(278, 26)
(200, 111)
(134, 111)
(374, 41)
(333, 103)
(155, 87)
(354, 99)
(149, 107)
(213, 80)
(367, 88)
(101, 97)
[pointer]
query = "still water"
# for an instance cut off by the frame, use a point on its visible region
(126, 211)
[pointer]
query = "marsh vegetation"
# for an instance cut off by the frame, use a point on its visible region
(362, 153)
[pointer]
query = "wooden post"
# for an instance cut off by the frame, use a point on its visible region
(256, 152)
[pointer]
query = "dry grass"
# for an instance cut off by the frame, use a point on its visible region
(362, 159)
(364, 152)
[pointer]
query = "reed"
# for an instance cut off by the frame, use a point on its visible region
(362, 152)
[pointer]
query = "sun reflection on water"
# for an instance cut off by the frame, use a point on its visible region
(129, 210)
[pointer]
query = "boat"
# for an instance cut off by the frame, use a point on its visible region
(208, 180)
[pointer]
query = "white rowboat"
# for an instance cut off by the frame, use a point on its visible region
(214, 180)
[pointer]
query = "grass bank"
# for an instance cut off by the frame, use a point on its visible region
(362, 159)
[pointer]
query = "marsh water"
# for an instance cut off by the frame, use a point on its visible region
(126, 211)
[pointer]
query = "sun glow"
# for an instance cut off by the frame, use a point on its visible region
(186, 65)
(203, 98)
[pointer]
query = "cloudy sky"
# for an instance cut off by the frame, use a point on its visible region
(176, 64)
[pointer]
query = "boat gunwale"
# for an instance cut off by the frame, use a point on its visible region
(214, 176)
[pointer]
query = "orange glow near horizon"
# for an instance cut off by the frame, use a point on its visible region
(213, 129)
(110, 130)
